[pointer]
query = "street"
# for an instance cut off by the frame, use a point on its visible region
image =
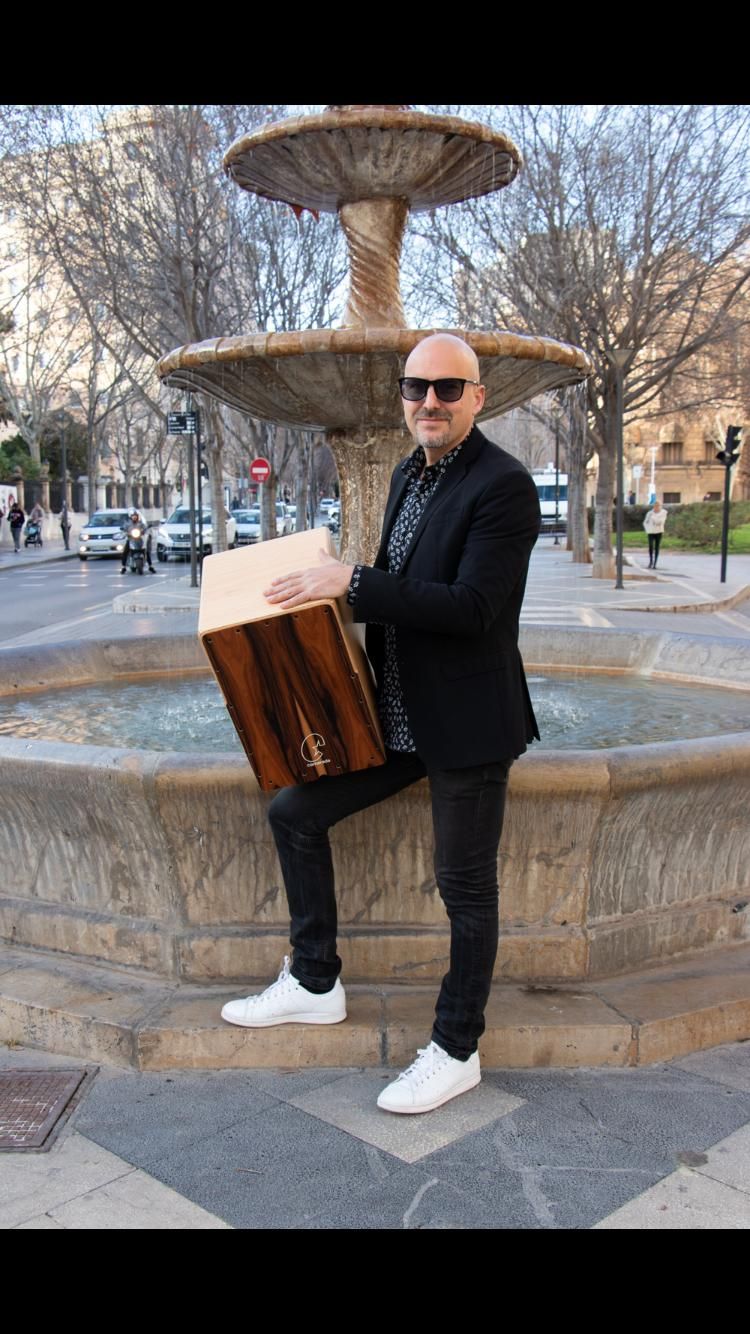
(62, 599)
(46, 600)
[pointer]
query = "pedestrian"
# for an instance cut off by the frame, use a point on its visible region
(442, 604)
(65, 526)
(16, 519)
(654, 524)
(37, 514)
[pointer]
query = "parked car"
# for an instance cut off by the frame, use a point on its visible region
(248, 526)
(104, 533)
(248, 523)
(326, 504)
(173, 537)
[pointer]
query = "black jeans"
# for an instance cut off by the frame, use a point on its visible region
(654, 542)
(467, 819)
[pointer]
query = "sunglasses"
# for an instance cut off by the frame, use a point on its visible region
(448, 391)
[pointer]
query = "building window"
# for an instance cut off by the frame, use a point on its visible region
(672, 452)
(712, 495)
(672, 497)
(710, 450)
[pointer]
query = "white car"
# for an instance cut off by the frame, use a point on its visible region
(173, 537)
(248, 523)
(326, 504)
(104, 534)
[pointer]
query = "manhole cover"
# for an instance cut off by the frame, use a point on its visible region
(33, 1104)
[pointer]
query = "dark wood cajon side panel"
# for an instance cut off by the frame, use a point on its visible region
(295, 697)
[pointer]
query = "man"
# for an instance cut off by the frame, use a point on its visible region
(135, 518)
(442, 605)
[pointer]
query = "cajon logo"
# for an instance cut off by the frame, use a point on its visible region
(312, 749)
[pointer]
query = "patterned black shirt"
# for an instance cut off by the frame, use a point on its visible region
(391, 706)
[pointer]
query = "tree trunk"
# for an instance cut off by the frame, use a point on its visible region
(212, 438)
(268, 508)
(578, 528)
(303, 474)
(604, 560)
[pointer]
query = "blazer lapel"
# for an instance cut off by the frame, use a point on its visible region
(453, 478)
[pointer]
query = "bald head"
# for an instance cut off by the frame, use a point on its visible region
(437, 425)
(451, 349)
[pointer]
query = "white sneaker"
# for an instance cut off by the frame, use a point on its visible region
(434, 1078)
(286, 1001)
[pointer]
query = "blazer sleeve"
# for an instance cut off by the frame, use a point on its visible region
(499, 538)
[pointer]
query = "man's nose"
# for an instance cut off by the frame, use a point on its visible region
(431, 399)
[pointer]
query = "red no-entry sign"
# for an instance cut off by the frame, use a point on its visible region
(260, 470)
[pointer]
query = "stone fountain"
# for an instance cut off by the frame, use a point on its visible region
(145, 886)
(372, 165)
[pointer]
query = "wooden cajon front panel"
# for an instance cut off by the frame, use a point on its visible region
(296, 683)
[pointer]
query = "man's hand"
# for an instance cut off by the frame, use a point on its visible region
(330, 579)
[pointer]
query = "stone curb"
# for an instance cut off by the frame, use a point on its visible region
(136, 1021)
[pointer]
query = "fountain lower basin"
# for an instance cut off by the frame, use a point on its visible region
(163, 862)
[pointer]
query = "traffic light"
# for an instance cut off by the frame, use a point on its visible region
(731, 451)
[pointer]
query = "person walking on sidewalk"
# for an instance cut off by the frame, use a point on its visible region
(654, 524)
(16, 519)
(442, 604)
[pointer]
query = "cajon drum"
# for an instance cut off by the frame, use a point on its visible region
(297, 683)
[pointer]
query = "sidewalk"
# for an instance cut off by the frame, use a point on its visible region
(53, 549)
(666, 1147)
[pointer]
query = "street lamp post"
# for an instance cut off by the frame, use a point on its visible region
(619, 357)
(557, 481)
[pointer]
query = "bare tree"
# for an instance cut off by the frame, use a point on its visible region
(41, 340)
(160, 248)
(628, 229)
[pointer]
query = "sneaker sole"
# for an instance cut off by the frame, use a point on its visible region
(286, 1019)
(432, 1106)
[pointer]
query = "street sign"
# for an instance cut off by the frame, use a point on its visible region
(637, 470)
(260, 470)
(182, 423)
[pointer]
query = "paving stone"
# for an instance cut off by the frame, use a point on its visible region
(350, 1104)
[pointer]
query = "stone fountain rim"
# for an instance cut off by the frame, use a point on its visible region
(375, 118)
(599, 764)
(365, 342)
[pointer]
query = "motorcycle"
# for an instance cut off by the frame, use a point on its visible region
(33, 535)
(136, 548)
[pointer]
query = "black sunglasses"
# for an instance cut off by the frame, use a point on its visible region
(449, 390)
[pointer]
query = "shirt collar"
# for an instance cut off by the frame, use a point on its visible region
(413, 466)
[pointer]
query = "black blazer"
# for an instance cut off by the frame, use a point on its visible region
(456, 606)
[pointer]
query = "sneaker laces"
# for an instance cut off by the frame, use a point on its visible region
(429, 1060)
(282, 980)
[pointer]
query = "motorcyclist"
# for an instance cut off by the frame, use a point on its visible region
(135, 518)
